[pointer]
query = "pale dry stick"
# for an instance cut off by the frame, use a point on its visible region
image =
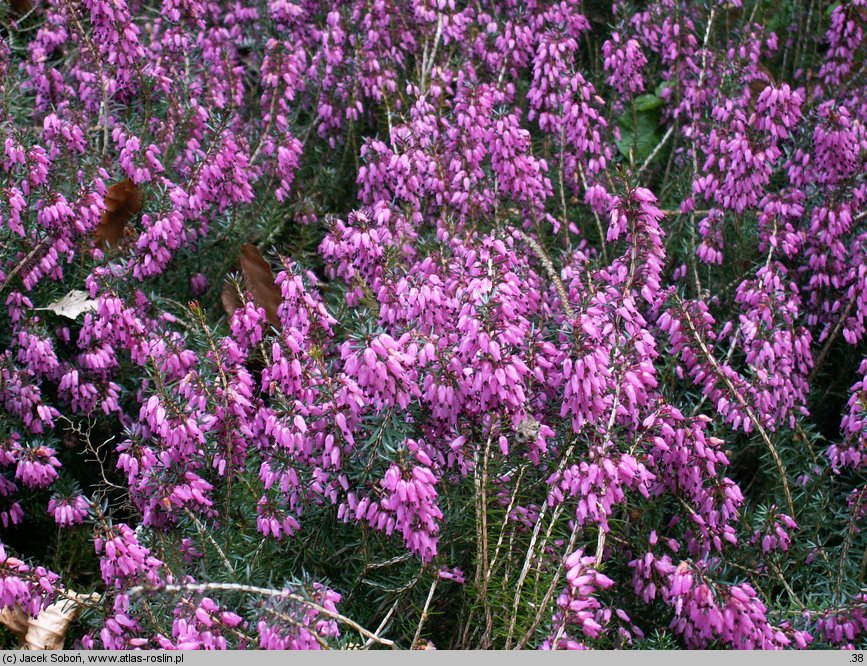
(93, 449)
(771, 246)
(727, 359)
(602, 237)
(261, 591)
(291, 620)
(549, 594)
(548, 265)
(746, 407)
(524, 570)
(383, 624)
(600, 545)
(203, 532)
(560, 173)
(482, 535)
(656, 150)
(544, 543)
(23, 262)
(847, 543)
(506, 522)
(672, 211)
(604, 446)
(695, 151)
(428, 61)
(526, 567)
(423, 617)
(837, 328)
(390, 127)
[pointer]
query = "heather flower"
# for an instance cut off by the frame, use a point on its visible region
(202, 625)
(511, 326)
(26, 587)
(123, 560)
(579, 609)
(37, 466)
(624, 62)
(68, 511)
(294, 625)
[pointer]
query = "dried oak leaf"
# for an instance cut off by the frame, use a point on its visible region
(259, 281)
(20, 7)
(122, 201)
(231, 298)
(758, 85)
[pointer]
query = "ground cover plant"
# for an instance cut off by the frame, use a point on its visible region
(430, 323)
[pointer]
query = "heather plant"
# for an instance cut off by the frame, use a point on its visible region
(434, 324)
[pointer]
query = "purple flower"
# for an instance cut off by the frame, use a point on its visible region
(68, 511)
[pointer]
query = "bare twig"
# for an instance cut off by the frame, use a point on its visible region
(423, 617)
(847, 543)
(384, 623)
(429, 57)
(23, 263)
(544, 606)
(837, 328)
(531, 550)
(481, 482)
(204, 533)
(261, 591)
(548, 265)
(656, 150)
(602, 238)
(743, 403)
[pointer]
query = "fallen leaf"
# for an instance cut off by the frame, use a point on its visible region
(122, 201)
(758, 85)
(48, 630)
(15, 620)
(73, 304)
(259, 281)
(20, 7)
(230, 298)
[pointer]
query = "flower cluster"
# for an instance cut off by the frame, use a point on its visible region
(418, 301)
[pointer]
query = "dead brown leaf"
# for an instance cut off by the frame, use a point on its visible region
(20, 7)
(258, 280)
(122, 201)
(230, 298)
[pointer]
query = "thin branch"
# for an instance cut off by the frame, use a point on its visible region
(530, 551)
(384, 623)
(548, 265)
(549, 594)
(744, 404)
(482, 536)
(821, 358)
(23, 262)
(204, 533)
(423, 617)
(429, 58)
(656, 150)
(261, 591)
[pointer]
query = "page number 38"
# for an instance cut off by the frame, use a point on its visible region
(857, 658)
